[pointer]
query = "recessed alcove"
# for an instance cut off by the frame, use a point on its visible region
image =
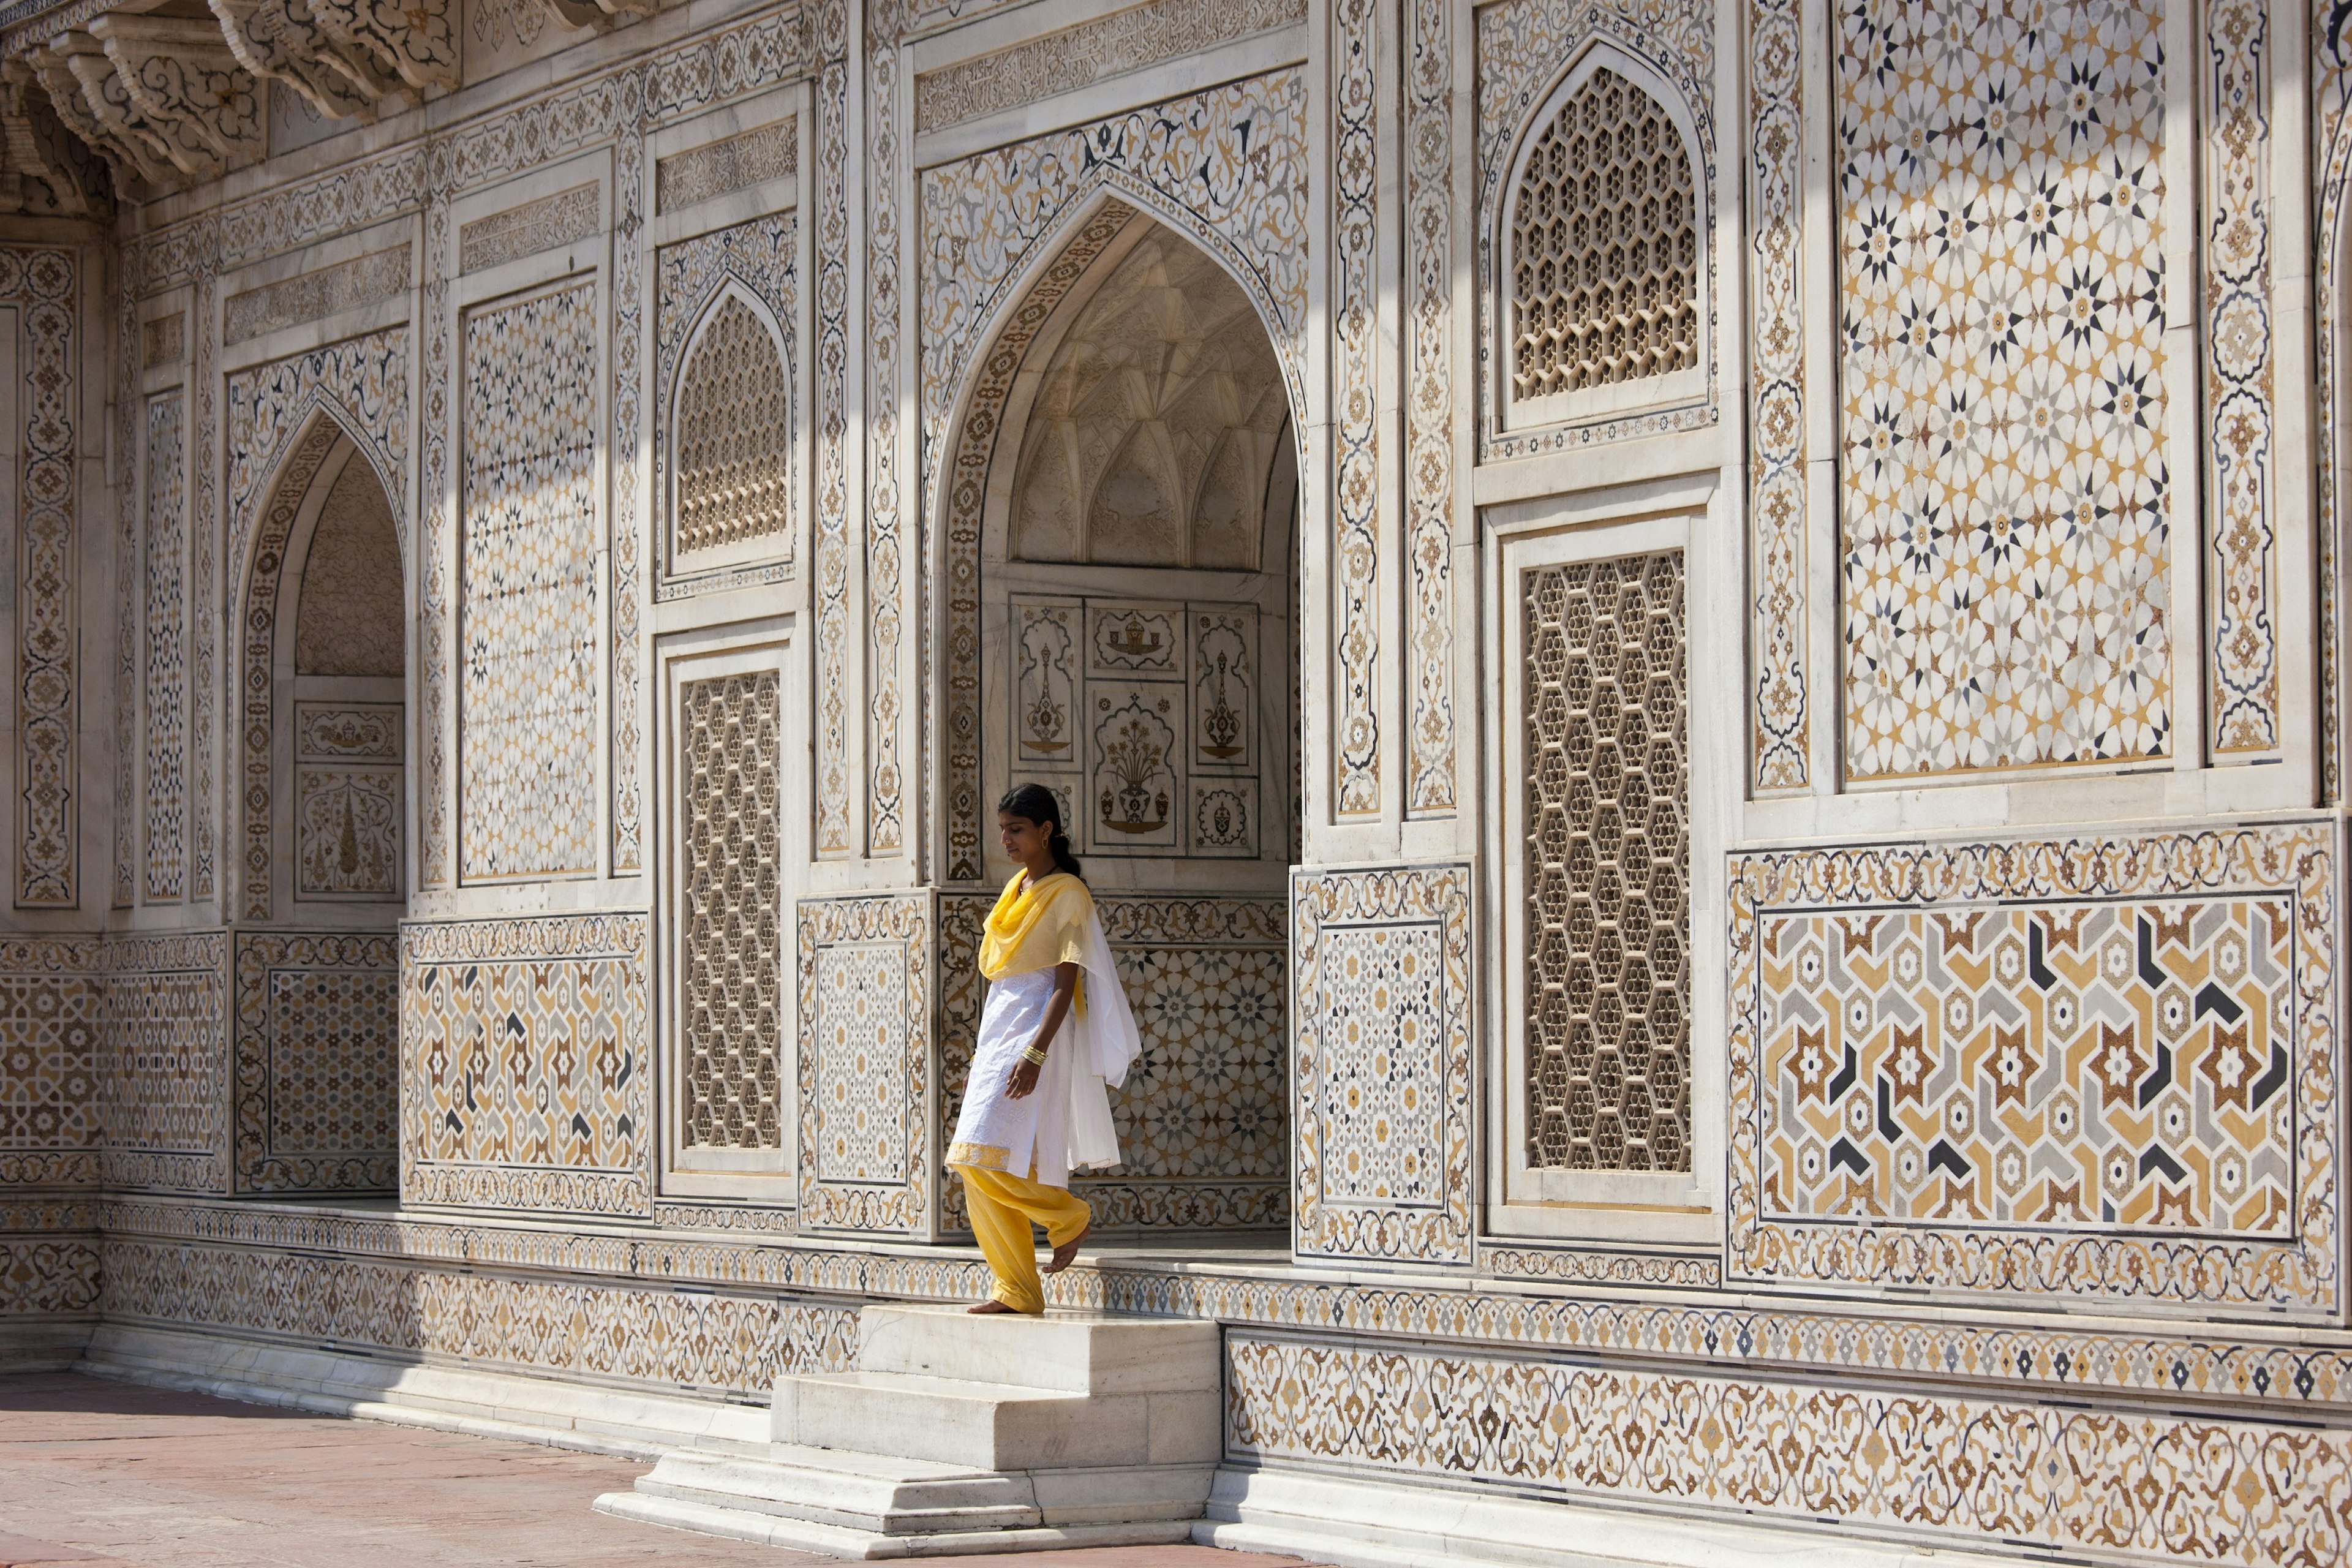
(1137, 571)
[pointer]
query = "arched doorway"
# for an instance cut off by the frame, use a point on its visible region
(1137, 587)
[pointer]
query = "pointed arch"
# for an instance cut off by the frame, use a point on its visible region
(1601, 284)
(732, 480)
(1019, 323)
(1130, 349)
(314, 457)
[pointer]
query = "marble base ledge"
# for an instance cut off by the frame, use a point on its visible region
(1388, 1523)
(957, 1434)
(482, 1403)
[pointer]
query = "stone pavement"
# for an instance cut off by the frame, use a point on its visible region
(108, 1474)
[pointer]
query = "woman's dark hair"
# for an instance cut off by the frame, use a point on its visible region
(1036, 803)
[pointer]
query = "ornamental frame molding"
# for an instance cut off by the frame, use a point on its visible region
(904, 1201)
(1959, 1470)
(45, 284)
(284, 418)
(2148, 1269)
(2274, 1371)
(1538, 1209)
(1326, 901)
(1682, 399)
(983, 310)
(1670, 50)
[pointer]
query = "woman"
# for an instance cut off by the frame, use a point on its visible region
(1055, 1039)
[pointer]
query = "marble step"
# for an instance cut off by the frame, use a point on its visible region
(859, 1545)
(849, 1491)
(993, 1425)
(958, 1434)
(1066, 1352)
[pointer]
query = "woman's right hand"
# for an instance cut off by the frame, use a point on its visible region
(1021, 1081)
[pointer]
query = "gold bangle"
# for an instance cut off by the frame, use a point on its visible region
(1032, 1054)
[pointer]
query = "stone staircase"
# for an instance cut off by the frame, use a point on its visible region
(961, 1434)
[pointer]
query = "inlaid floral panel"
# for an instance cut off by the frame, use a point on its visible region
(865, 1087)
(1381, 997)
(2242, 359)
(165, 684)
(2017, 1357)
(41, 1274)
(346, 832)
(2113, 1485)
(42, 285)
(729, 1344)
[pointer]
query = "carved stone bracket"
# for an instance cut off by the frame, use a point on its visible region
(411, 39)
(598, 14)
(163, 95)
(282, 40)
(73, 69)
(183, 76)
(35, 149)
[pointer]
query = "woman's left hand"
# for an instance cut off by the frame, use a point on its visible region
(1021, 1081)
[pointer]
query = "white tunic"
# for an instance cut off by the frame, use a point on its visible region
(1064, 1124)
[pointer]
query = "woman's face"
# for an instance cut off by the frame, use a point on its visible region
(1026, 843)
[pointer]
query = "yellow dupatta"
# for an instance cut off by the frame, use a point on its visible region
(1038, 927)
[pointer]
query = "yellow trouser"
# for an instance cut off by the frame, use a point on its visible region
(1004, 1207)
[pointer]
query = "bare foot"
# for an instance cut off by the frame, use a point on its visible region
(1068, 1253)
(988, 1309)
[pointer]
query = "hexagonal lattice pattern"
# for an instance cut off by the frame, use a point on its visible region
(1605, 246)
(1607, 866)
(734, 435)
(733, 959)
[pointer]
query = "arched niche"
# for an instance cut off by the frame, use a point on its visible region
(731, 478)
(1601, 276)
(1146, 517)
(324, 678)
(322, 837)
(1135, 576)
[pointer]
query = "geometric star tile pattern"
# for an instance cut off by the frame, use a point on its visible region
(2007, 497)
(1203, 1118)
(523, 1064)
(51, 1001)
(1381, 980)
(2109, 1064)
(528, 577)
(316, 1061)
(865, 1069)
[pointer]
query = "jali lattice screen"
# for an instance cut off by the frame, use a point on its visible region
(732, 961)
(734, 435)
(1604, 246)
(1607, 865)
